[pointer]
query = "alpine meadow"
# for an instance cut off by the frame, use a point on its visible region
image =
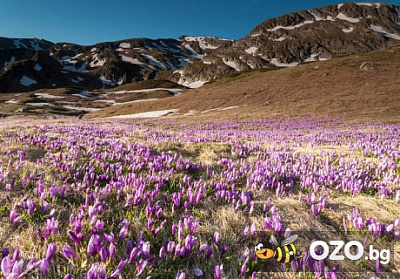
(273, 156)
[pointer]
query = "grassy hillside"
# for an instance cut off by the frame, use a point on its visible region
(341, 87)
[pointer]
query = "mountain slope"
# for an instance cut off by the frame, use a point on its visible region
(104, 65)
(311, 35)
(357, 87)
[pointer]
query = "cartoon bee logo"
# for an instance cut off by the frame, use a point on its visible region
(284, 253)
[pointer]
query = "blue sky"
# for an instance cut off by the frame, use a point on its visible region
(92, 21)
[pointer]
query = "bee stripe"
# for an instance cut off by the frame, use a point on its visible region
(279, 254)
(293, 248)
(287, 255)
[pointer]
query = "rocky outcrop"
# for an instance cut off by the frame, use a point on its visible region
(104, 65)
(310, 35)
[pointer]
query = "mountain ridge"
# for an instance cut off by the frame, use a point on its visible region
(303, 36)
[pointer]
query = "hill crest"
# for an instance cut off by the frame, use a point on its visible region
(304, 36)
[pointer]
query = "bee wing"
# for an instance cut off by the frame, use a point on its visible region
(289, 240)
(273, 240)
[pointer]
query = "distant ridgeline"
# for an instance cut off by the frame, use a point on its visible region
(304, 36)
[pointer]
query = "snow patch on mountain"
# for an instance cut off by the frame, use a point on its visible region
(27, 81)
(97, 61)
(6, 64)
(125, 45)
(39, 104)
(83, 94)
(37, 67)
(232, 64)
(131, 60)
(69, 63)
(77, 80)
(12, 101)
(19, 44)
(219, 109)
(164, 47)
(153, 61)
(48, 96)
(106, 82)
(280, 39)
(290, 27)
(202, 42)
(277, 63)
(251, 50)
(82, 108)
(157, 113)
(317, 18)
(171, 66)
(195, 84)
(377, 5)
(35, 45)
(342, 16)
(194, 53)
(380, 30)
(348, 30)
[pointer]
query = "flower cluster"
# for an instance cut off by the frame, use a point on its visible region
(130, 199)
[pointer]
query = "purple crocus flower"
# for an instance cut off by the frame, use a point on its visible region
(170, 247)
(6, 266)
(32, 264)
(203, 249)
(129, 246)
(123, 233)
(5, 252)
(51, 249)
(178, 250)
(217, 238)
(117, 272)
(174, 229)
(68, 252)
(378, 266)
(93, 272)
(111, 250)
(180, 275)
(43, 267)
(135, 251)
(198, 272)
(243, 269)
(109, 238)
(15, 218)
(51, 227)
(17, 268)
(253, 230)
(223, 249)
(218, 271)
(209, 252)
(102, 273)
(94, 245)
(141, 266)
(15, 256)
(103, 254)
(145, 249)
(74, 238)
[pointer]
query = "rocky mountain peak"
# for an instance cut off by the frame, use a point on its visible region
(303, 36)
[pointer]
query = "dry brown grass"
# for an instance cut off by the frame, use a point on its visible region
(335, 88)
